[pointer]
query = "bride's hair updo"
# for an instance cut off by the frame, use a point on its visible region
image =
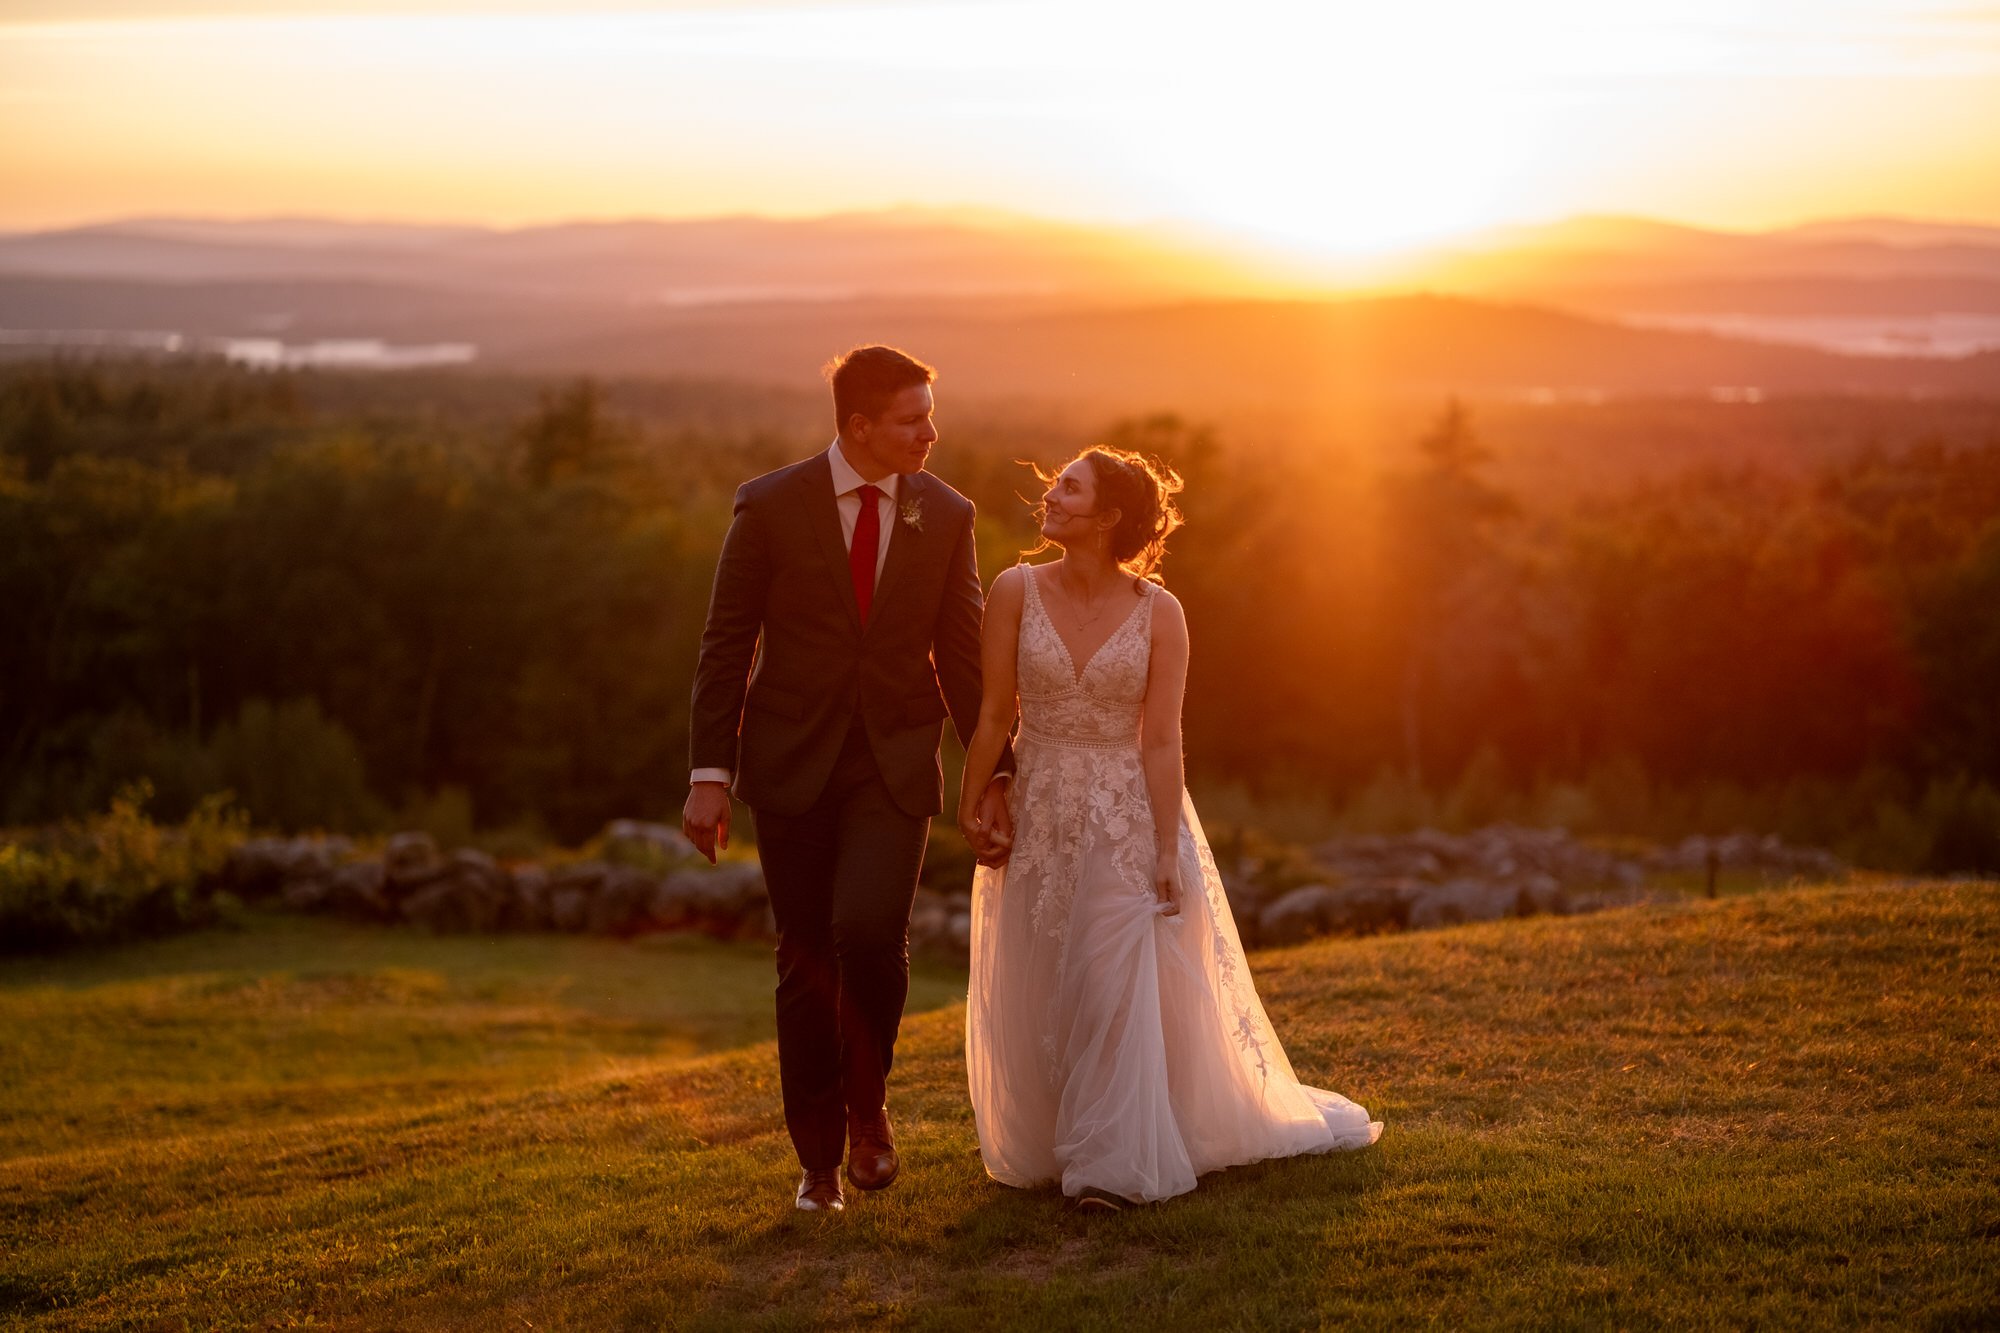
(1142, 490)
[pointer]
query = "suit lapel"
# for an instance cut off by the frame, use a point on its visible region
(904, 541)
(823, 516)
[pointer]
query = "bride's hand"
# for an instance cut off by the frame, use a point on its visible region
(988, 827)
(1167, 882)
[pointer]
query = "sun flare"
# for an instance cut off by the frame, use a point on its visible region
(1330, 128)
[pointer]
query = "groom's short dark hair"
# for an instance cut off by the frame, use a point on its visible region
(866, 379)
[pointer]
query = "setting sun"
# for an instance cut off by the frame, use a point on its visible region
(1329, 130)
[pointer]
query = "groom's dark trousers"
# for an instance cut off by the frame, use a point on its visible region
(830, 725)
(842, 876)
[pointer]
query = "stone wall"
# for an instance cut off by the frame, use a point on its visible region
(649, 878)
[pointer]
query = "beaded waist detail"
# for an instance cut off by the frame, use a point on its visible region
(1075, 742)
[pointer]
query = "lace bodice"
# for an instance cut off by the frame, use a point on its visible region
(1097, 706)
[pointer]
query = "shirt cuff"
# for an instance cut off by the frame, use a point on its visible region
(721, 775)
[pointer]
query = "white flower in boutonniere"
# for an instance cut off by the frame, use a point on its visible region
(913, 515)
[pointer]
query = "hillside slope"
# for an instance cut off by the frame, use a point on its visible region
(1220, 356)
(1777, 1110)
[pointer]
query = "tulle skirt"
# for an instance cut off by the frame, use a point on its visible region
(1110, 1045)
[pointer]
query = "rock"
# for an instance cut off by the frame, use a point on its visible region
(667, 841)
(1298, 915)
(1245, 904)
(258, 868)
(930, 916)
(1495, 854)
(352, 889)
(468, 894)
(1249, 925)
(528, 907)
(1369, 908)
(571, 888)
(676, 902)
(623, 902)
(722, 899)
(411, 860)
(1535, 894)
(1461, 900)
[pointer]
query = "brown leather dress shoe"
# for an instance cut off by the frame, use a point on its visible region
(819, 1191)
(871, 1150)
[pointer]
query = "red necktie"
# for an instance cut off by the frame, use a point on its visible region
(861, 555)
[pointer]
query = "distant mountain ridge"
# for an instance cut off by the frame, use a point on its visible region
(899, 253)
(1027, 307)
(1600, 264)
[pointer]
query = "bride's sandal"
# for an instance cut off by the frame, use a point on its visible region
(1093, 1200)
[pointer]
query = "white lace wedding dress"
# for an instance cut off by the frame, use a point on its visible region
(1110, 1045)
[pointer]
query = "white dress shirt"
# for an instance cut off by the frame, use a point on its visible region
(847, 485)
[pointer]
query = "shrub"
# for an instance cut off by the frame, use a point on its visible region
(113, 876)
(1963, 819)
(445, 814)
(294, 768)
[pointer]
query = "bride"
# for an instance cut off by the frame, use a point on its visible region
(1114, 1040)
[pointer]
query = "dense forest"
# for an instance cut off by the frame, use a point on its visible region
(353, 600)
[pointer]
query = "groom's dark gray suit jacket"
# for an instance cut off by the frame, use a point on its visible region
(783, 578)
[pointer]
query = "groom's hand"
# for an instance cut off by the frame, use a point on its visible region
(705, 818)
(996, 822)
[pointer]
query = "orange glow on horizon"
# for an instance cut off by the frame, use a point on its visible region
(1328, 131)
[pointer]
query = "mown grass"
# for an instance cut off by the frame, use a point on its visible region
(1774, 1110)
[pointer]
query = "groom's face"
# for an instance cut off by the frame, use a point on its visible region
(900, 438)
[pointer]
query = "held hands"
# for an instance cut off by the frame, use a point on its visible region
(988, 825)
(705, 818)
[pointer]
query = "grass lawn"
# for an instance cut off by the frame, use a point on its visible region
(1780, 1110)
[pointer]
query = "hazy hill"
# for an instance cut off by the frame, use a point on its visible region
(1618, 265)
(1018, 307)
(1233, 354)
(1858, 264)
(897, 252)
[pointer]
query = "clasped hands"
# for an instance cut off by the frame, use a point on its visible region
(988, 825)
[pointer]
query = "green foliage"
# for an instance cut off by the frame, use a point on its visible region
(524, 840)
(115, 875)
(445, 814)
(1272, 865)
(294, 769)
(1950, 825)
(494, 587)
(1962, 818)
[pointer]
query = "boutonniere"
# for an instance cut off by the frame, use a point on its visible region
(913, 515)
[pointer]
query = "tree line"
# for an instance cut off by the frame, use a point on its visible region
(351, 607)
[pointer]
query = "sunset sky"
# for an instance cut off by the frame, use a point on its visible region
(1329, 126)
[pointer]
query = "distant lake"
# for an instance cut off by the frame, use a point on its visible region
(264, 353)
(1855, 335)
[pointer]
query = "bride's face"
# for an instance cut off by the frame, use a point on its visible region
(1069, 506)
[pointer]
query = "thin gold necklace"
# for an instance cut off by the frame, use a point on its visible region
(1081, 622)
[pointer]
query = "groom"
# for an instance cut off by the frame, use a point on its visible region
(851, 581)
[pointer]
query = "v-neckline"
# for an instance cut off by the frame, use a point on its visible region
(1069, 656)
